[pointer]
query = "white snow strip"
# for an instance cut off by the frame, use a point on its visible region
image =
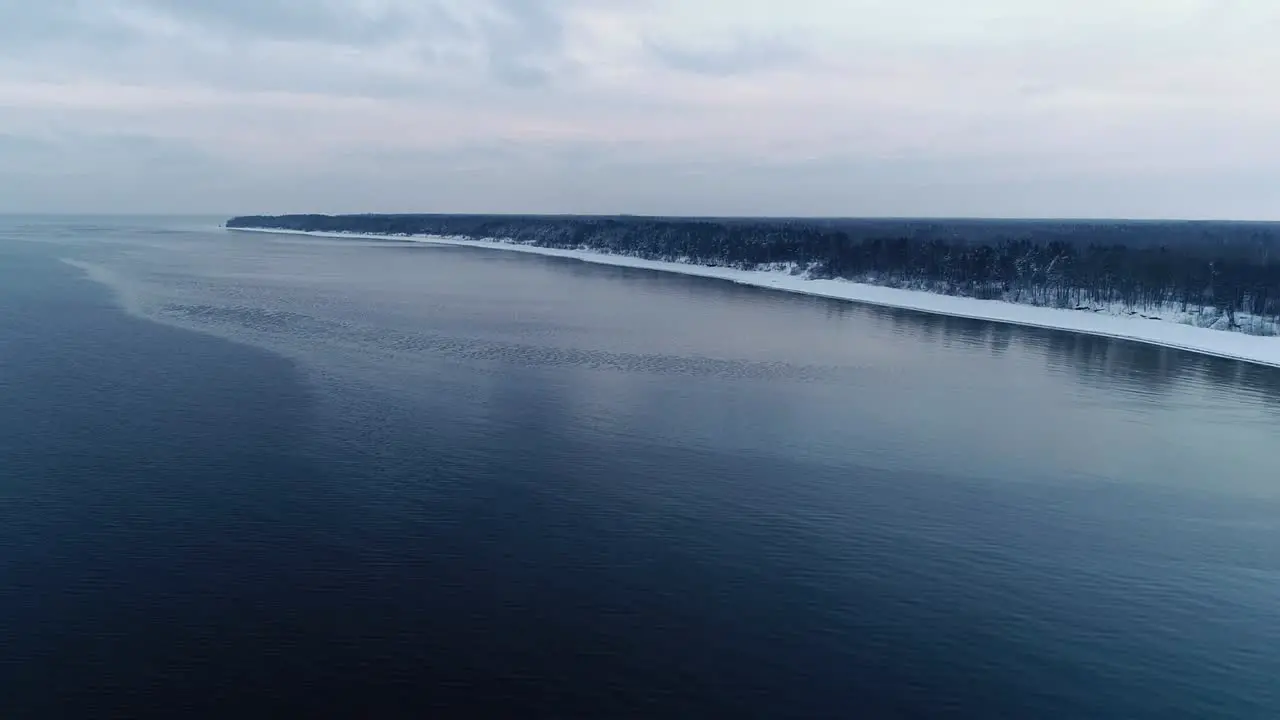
(1219, 343)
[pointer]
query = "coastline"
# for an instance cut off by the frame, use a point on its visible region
(1217, 343)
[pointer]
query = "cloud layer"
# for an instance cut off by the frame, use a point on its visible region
(1132, 108)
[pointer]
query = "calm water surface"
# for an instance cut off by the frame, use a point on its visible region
(243, 474)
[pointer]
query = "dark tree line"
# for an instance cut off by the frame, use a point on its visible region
(1227, 269)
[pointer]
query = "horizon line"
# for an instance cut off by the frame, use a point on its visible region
(648, 216)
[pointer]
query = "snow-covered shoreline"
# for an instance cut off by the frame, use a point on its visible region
(1219, 343)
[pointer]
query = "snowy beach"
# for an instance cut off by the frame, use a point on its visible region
(1148, 329)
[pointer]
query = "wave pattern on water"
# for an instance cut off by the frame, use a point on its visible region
(538, 487)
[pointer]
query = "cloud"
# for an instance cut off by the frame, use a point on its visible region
(739, 56)
(360, 23)
(523, 41)
(342, 46)
(579, 104)
(517, 41)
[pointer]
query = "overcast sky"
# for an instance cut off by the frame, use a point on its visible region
(1102, 108)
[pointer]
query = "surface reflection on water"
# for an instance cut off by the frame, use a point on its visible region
(529, 483)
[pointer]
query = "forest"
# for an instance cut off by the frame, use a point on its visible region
(1224, 275)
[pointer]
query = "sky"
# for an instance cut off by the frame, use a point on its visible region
(995, 108)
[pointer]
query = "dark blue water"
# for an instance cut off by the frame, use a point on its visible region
(255, 475)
